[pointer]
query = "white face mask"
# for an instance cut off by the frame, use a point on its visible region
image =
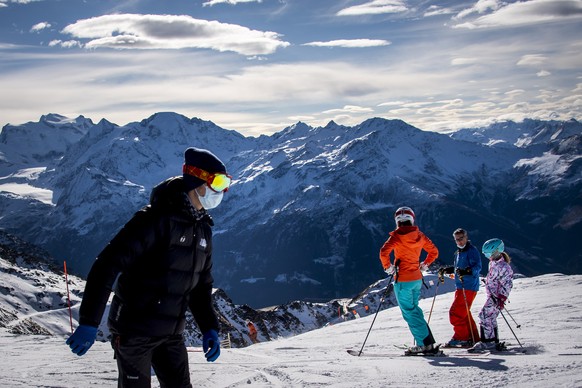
(211, 199)
(463, 241)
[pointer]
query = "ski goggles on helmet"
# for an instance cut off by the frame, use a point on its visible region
(218, 182)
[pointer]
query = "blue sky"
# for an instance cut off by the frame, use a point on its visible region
(257, 66)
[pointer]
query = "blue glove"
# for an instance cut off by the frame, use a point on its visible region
(82, 339)
(211, 345)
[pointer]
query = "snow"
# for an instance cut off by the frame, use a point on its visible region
(548, 165)
(17, 183)
(548, 308)
(27, 191)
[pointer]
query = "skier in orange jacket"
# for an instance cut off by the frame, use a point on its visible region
(407, 243)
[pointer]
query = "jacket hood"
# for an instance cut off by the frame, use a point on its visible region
(169, 194)
(407, 233)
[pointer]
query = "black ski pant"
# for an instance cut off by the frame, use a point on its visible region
(137, 355)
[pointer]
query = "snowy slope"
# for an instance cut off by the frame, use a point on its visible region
(550, 326)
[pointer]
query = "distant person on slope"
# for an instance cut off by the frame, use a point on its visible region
(407, 243)
(498, 286)
(466, 269)
(252, 332)
(162, 260)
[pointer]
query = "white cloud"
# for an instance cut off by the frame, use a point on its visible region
(301, 118)
(374, 7)
(515, 93)
(532, 60)
(134, 31)
(417, 104)
(482, 106)
(527, 13)
(393, 103)
(40, 26)
(543, 73)
(350, 43)
(480, 7)
(463, 61)
(232, 2)
(4, 3)
(435, 10)
(65, 44)
(452, 103)
(349, 109)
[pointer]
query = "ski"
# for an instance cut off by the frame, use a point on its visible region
(509, 351)
(435, 351)
(447, 346)
(462, 353)
(438, 353)
(356, 353)
(501, 348)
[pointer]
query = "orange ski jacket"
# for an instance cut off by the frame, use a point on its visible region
(407, 242)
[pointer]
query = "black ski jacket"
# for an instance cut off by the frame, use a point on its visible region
(162, 260)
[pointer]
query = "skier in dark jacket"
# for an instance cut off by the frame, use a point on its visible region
(467, 269)
(162, 261)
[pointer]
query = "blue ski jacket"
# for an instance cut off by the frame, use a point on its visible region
(468, 257)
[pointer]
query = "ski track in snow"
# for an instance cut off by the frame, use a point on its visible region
(548, 307)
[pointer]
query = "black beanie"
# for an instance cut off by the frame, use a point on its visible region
(204, 160)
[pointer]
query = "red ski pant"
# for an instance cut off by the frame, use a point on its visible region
(463, 324)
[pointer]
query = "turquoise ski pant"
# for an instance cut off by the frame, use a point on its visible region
(407, 294)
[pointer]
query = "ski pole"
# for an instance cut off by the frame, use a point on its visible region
(377, 311)
(424, 283)
(433, 300)
(508, 325)
(467, 307)
(68, 296)
(516, 324)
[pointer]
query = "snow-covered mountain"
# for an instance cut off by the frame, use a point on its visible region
(36, 144)
(524, 134)
(310, 207)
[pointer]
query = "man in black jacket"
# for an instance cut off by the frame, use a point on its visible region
(162, 261)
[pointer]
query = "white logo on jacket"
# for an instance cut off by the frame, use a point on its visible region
(203, 243)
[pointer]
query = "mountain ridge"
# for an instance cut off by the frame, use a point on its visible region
(310, 207)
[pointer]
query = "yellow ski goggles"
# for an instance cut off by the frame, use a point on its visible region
(218, 182)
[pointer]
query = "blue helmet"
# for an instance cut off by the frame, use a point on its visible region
(492, 247)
